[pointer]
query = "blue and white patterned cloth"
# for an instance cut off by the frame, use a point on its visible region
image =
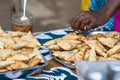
(56, 73)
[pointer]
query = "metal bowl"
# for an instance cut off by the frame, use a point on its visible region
(73, 66)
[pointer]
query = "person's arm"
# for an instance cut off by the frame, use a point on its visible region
(111, 7)
(95, 18)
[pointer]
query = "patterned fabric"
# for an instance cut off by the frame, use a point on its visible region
(56, 73)
(117, 21)
(96, 5)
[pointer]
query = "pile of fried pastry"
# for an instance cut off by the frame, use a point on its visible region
(72, 47)
(18, 50)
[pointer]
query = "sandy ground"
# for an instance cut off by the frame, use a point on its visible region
(49, 14)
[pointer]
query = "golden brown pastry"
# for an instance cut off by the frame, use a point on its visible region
(116, 56)
(54, 47)
(31, 41)
(79, 55)
(101, 46)
(16, 34)
(1, 31)
(72, 36)
(18, 50)
(7, 41)
(51, 42)
(92, 54)
(66, 45)
(113, 35)
(1, 45)
(20, 44)
(18, 65)
(34, 62)
(38, 55)
(5, 53)
(107, 58)
(95, 36)
(109, 42)
(63, 55)
(114, 49)
(86, 56)
(100, 51)
(4, 64)
(18, 57)
(3, 70)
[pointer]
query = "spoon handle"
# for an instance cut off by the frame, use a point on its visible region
(24, 7)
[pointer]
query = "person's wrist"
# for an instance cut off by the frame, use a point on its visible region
(104, 14)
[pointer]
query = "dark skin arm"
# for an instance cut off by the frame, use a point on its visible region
(95, 18)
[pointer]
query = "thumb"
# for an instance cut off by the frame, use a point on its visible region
(90, 26)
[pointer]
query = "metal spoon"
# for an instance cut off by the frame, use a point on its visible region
(24, 11)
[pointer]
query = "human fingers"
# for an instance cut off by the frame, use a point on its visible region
(84, 23)
(76, 21)
(91, 24)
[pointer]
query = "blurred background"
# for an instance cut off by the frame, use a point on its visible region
(49, 14)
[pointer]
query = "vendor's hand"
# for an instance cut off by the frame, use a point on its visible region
(88, 19)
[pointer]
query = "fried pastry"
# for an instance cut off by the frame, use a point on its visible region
(18, 50)
(18, 65)
(38, 55)
(20, 44)
(107, 58)
(101, 46)
(7, 41)
(113, 35)
(3, 70)
(4, 64)
(1, 45)
(54, 47)
(26, 51)
(51, 42)
(72, 47)
(63, 55)
(79, 46)
(33, 62)
(65, 45)
(109, 42)
(5, 53)
(18, 57)
(86, 56)
(1, 31)
(114, 49)
(100, 52)
(92, 54)
(79, 55)
(16, 39)
(72, 36)
(94, 37)
(16, 34)
(116, 56)
(30, 40)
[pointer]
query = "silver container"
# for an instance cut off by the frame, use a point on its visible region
(95, 75)
(114, 70)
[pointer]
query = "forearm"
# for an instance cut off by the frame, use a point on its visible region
(111, 7)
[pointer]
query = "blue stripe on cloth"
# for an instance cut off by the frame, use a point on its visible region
(56, 73)
(108, 26)
(97, 4)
